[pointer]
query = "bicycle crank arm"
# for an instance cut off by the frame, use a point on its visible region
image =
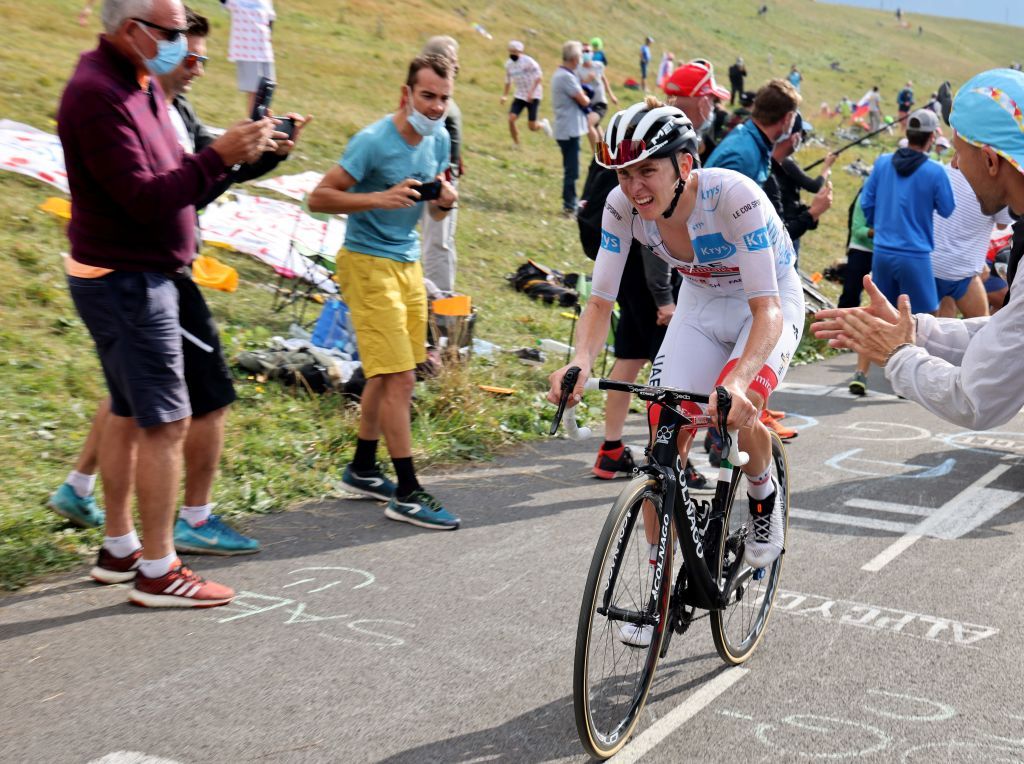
(628, 616)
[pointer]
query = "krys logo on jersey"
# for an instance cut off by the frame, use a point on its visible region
(771, 236)
(712, 246)
(610, 242)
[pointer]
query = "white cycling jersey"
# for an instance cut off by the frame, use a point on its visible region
(741, 251)
(740, 245)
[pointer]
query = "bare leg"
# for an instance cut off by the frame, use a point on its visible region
(157, 476)
(117, 469)
(395, 412)
(947, 308)
(756, 441)
(513, 128)
(89, 457)
(250, 100)
(616, 406)
(369, 409)
(203, 446)
(974, 303)
(863, 364)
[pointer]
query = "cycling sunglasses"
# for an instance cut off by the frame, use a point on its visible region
(194, 59)
(626, 152)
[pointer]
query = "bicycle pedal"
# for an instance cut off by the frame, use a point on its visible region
(758, 574)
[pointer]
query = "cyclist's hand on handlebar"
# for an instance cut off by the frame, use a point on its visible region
(555, 392)
(742, 414)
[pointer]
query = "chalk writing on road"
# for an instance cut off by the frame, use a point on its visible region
(903, 623)
(348, 627)
(817, 736)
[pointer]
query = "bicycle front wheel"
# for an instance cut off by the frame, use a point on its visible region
(620, 631)
(737, 629)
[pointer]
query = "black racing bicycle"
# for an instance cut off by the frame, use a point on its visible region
(631, 604)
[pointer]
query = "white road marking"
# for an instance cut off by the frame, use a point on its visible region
(131, 757)
(835, 518)
(835, 391)
(881, 467)
(972, 507)
(653, 735)
(890, 506)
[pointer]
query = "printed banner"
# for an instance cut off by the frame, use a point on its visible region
(30, 151)
(297, 187)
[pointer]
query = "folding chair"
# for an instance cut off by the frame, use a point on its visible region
(297, 289)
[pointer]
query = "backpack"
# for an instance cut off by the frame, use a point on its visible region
(542, 283)
(599, 184)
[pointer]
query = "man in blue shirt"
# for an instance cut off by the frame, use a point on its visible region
(645, 59)
(899, 199)
(747, 149)
(378, 184)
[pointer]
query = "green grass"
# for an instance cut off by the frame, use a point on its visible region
(344, 62)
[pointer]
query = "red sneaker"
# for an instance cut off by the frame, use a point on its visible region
(786, 433)
(179, 588)
(115, 570)
(775, 414)
(615, 463)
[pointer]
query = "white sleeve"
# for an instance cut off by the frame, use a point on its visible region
(616, 239)
(753, 228)
(947, 338)
(984, 390)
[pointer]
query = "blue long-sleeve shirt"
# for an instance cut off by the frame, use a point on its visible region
(899, 198)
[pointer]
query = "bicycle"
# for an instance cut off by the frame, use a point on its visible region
(613, 669)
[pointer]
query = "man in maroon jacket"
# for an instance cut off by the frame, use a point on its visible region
(133, 195)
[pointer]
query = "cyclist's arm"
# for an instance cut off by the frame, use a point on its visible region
(984, 390)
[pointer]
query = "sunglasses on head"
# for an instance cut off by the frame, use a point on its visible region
(627, 151)
(171, 35)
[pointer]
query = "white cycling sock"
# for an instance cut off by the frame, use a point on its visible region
(122, 546)
(157, 568)
(81, 484)
(196, 516)
(760, 487)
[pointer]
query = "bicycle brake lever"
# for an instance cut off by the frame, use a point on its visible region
(730, 438)
(568, 383)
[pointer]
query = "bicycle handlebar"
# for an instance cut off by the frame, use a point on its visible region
(575, 432)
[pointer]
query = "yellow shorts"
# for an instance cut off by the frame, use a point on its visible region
(389, 310)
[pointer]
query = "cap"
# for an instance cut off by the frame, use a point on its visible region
(517, 46)
(692, 80)
(942, 141)
(903, 143)
(923, 120)
(596, 42)
(989, 111)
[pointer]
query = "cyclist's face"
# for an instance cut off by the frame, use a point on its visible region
(650, 185)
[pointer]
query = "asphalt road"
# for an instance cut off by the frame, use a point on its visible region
(897, 635)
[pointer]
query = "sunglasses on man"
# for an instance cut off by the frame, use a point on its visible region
(171, 35)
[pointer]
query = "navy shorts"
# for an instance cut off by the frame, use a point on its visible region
(518, 104)
(133, 319)
(901, 274)
(955, 289)
(207, 377)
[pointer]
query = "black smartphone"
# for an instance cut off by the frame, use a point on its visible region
(429, 191)
(264, 95)
(285, 125)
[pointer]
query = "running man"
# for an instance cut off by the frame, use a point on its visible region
(525, 74)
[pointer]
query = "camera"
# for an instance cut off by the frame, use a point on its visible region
(264, 95)
(429, 191)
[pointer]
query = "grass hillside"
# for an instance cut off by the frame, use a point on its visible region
(344, 62)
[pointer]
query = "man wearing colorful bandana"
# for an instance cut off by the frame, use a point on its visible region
(967, 372)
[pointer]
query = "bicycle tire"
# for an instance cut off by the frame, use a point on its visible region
(602, 729)
(738, 628)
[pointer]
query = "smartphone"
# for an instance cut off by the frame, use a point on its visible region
(285, 125)
(264, 95)
(429, 191)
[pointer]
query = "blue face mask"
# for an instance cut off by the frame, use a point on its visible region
(423, 124)
(168, 54)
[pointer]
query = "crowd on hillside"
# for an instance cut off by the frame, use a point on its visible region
(140, 163)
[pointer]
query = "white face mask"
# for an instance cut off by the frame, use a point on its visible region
(423, 124)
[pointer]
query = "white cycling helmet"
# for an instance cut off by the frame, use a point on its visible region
(640, 133)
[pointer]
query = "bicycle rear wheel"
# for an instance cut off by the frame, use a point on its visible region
(738, 628)
(611, 677)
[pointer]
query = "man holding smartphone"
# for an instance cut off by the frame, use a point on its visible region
(378, 183)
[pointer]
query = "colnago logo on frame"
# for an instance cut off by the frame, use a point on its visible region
(664, 434)
(659, 570)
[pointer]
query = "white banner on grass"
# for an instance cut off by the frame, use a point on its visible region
(266, 229)
(294, 186)
(27, 150)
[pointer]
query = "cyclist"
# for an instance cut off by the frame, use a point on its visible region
(740, 309)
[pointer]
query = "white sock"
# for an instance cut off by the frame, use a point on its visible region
(157, 568)
(81, 483)
(122, 546)
(760, 487)
(196, 516)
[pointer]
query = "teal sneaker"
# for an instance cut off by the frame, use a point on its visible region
(373, 484)
(422, 509)
(859, 383)
(84, 513)
(212, 537)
